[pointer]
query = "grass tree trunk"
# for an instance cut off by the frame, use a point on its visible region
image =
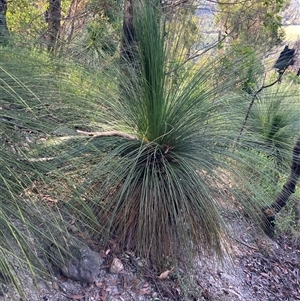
(288, 189)
(53, 19)
(4, 33)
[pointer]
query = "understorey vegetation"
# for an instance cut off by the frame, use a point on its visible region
(127, 137)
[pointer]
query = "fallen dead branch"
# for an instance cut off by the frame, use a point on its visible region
(108, 134)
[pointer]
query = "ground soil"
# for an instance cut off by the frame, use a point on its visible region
(260, 268)
(255, 268)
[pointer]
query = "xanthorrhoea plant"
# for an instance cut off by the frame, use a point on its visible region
(30, 100)
(152, 192)
(274, 121)
(172, 143)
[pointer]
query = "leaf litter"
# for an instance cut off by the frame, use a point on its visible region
(257, 268)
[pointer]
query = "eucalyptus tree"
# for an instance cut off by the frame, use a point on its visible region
(53, 18)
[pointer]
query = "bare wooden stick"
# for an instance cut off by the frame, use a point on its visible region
(108, 134)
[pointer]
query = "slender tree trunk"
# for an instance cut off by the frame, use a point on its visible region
(128, 51)
(75, 19)
(53, 19)
(4, 33)
(128, 45)
(288, 189)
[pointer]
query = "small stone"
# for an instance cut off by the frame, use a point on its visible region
(116, 266)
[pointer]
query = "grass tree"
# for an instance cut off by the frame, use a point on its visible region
(17, 120)
(160, 204)
(29, 114)
(169, 148)
(274, 121)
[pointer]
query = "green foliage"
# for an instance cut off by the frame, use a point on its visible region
(242, 64)
(252, 23)
(101, 37)
(26, 18)
(84, 39)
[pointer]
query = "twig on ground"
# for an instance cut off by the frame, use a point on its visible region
(108, 134)
(243, 243)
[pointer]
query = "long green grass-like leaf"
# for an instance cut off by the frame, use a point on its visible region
(159, 202)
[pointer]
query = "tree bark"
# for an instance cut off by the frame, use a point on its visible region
(53, 20)
(4, 33)
(75, 19)
(128, 51)
(288, 189)
(128, 45)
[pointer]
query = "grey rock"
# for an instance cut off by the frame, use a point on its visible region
(86, 268)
